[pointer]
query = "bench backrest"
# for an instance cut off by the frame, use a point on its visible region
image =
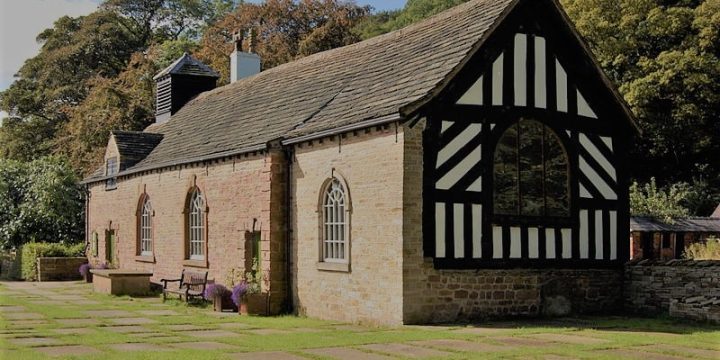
(196, 280)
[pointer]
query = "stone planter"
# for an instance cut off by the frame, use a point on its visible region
(256, 304)
(223, 303)
(88, 277)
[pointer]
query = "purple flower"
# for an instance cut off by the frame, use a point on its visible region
(84, 269)
(102, 266)
(238, 292)
(213, 290)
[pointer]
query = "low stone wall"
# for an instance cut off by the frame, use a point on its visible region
(681, 288)
(9, 266)
(465, 295)
(59, 268)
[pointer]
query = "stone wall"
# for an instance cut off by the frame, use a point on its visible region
(239, 198)
(59, 268)
(370, 291)
(9, 265)
(651, 287)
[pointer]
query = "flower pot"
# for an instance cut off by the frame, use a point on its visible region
(243, 310)
(88, 277)
(257, 304)
(223, 303)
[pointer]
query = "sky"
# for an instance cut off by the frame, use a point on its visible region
(22, 20)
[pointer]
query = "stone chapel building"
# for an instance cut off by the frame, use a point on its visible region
(467, 166)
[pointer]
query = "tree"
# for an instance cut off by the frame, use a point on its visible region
(286, 30)
(663, 204)
(414, 11)
(41, 201)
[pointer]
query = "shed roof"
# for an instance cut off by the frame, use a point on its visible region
(690, 224)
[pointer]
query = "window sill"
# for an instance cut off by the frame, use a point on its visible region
(334, 267)
(196, 263)
(145, 258)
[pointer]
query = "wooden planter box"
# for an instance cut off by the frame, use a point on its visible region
(223, 303)
(255, 304)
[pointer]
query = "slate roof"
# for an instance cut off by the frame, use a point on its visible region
(690, 224)
(187, 65)
(134, 146)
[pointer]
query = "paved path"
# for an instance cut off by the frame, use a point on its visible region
(65, 319)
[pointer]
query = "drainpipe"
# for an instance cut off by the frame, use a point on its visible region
(289, 152)
(87, 218)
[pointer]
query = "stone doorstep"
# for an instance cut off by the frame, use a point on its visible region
(405, 350)
(139, 347)
(569, 339)
(273, 355)
(705, 353)
(634, 354)
(34, 341)
(345, 354)
(461, 345)
(203, 345)
(72, 350)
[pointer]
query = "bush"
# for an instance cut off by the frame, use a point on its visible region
(710, 250)
(30, 252)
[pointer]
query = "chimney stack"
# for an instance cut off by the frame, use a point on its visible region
(243, 64)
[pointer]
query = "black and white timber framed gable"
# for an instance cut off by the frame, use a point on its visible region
(523, 152)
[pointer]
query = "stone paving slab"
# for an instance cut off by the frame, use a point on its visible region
(72, 350)
(406, 350)
(704, 353)
(267, 331)
(632, 354)
(273, 355)
(204, 345)
(461, 345)
(12, 309)
(86, 302)
(483, 331)
(204, 334)
(569, 339)
(73, 331)
(234, 326)
(27, 324)
(519, 341)
(109, 313)
(69, 297)
(126, 329)
(139, 347)
(34, 341)
(133, 321)
(183, 327)
(78, 322)
(158, 312)
(49, 302)
(346, 354)
(23, 316)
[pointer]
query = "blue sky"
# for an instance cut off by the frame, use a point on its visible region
(22, 20)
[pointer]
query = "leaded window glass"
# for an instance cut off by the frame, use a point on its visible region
(531, 172)
(146, 233)
(335, 237)
(196, 226)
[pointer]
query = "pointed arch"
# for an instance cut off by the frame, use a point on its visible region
(145, 227)
(196, 231)
(334, 209)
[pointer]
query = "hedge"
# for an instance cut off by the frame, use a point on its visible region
(31, 251)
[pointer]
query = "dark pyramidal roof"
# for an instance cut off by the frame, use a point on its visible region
(350, 85)
(187, 65)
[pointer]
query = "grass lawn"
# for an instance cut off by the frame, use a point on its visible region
(67, 320)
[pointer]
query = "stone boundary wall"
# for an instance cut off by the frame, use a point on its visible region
(59, 268)
(683, 288)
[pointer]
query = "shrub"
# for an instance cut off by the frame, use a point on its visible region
(30, 252)
(213, 290)
(238, 293)
(710, 250)
(84, 270)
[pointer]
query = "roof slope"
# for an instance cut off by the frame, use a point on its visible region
(187, 65)
(134, 146)
(690, 224)
(344, 86)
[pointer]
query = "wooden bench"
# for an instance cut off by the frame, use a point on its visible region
(191, 285)
(121, 282)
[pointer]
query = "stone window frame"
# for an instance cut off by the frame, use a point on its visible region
(192, 193)
(144, 205)
(336, 265)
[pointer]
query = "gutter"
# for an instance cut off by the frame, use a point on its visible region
(343, 129)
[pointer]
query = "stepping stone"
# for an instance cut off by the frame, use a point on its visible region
(126, 329)
(49, 302)
(274, 355)
(133, 321)
(632, 354)
(210, 333)
(308, 330)
(34, 341)
(519, 341)
(73, 331)
(461, 345)
(86, 302)
(158, 312)
(704, 353)
(72, 350)
(109, 313)
(11, 309)
(482, 331)
(23, 316)
(569, 339)
(406, 350)
(78, 322)
(148, 334)
(207, 345)
(268, 331)
(69, 297)
(234, 326)
(138, 347)
(346, 354)
(27, 324)
(183, 327)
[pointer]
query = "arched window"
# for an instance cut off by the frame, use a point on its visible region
(335, 222)
(146, 227)
(531, 172)
(196, 226)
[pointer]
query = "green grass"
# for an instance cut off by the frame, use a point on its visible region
(296, 334)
